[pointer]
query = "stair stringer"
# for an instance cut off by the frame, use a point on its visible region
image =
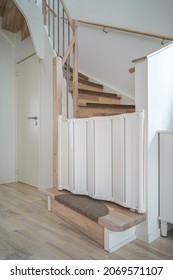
(34, 19)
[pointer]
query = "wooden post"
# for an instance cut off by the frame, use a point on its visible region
(44, 11)
(75, 68)
(57, 110)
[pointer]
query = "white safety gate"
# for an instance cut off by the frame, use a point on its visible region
(103, 157)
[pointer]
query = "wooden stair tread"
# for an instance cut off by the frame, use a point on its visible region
(120, 218)
(111, 106)
(83, 102)
(97, 110)
(85, 112)
(97, 97)
(82, 76)
(85, 82)
(99, 93)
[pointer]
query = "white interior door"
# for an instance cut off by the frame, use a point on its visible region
(27, 126)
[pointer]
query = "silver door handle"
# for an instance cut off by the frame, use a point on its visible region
(33, 118)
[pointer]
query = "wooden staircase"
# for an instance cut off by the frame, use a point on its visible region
(93, 100)
(12, 19)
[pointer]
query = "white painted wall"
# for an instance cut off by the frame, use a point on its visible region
(154, 93)
(107, 57)
(7, 110)
(23, 48)
(125, 13)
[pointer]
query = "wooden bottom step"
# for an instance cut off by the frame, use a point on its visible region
(111, 231)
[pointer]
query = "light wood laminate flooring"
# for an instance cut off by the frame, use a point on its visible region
(29, 231)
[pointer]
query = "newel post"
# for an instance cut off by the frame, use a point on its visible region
(75, 68)
(57, 110)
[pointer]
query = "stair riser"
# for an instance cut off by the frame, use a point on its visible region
(78, 221)
(83, 103)
(86, 87)
(80, 75)
(95, 99)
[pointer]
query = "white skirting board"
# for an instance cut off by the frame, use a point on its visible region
(148, 237)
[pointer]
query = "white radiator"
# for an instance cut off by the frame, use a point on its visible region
(103, 157)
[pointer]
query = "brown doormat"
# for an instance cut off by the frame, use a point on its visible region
(89, 207)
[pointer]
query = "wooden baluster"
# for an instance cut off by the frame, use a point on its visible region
(75, 68)
(44, 11)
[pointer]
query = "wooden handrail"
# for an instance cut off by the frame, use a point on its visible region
(139, 59)
(132, 70)
(67, 13)
(158, 36)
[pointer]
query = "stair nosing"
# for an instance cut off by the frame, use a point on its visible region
(101, 93)
(118, 106)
